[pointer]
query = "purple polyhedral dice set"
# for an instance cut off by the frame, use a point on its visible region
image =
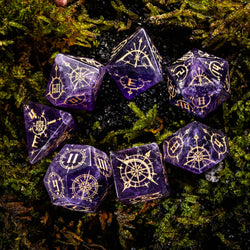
(80, 176)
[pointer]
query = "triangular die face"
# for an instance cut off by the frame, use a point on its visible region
(46, 129)
(137, 53)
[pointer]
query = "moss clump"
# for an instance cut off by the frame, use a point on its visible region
(198, 214)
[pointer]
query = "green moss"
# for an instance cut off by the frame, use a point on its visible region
(198, 211)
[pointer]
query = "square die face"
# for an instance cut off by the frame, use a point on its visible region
(139, 174)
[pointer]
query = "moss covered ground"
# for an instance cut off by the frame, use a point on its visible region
(199, 214)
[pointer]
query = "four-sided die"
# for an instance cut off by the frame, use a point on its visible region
(195, 147)
(46, 129)
(135, 64)
(74, 82)
(79, 178)
(139, 174)
(198, 82)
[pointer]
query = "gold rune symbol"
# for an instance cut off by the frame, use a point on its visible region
(32, 114)
(85, 187)
(55, 185)
(56, 86)
(137, 171)
(171, 89)
(88, 61)
(184, 105)
(200, 79)
(185, 57)
(227, 83)
(103, 165)
(215, 68)
(201, 102)
(198, 157)
(81, 76)
(180, 71)
(131, 84)
(73, 158)
(75, 100)
(219, 143)
(39, 125)
(175, 145)
(137, 57)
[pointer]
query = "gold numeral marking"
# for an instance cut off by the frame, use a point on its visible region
(56, 88)
(75, 100)
(32, 114)
(180, 72)
(201, 100)
(56, 186)
(175, 146)
(215, 69)
(102, 163)
(35, 141)
(183, 105)
(218, 143)
(70, 157)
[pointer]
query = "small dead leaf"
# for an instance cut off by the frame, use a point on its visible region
(45, 217)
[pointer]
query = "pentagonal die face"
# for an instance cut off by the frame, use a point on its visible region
(198, 82)
(139, 174)
(79, 178)
(74, 82)
(135, 65)
(195, 147)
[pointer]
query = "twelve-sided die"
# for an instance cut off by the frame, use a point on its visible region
(79, 178)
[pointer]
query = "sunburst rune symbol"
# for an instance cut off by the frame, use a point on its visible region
(85, 187)
(137, 171)
(200, 79)
(198, 157)
(137, 57)
(80, 76)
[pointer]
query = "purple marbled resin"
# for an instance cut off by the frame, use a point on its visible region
(136, 64)
(198, 82)
(74, 82)
(139, 174)
(195, 147)
(46, 129)
(79, 178)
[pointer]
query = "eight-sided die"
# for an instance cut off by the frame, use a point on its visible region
(74, 82)
(135, 64)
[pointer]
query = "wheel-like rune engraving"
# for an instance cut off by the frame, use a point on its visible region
(85, 187)
(198, 157)
(137, 171)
